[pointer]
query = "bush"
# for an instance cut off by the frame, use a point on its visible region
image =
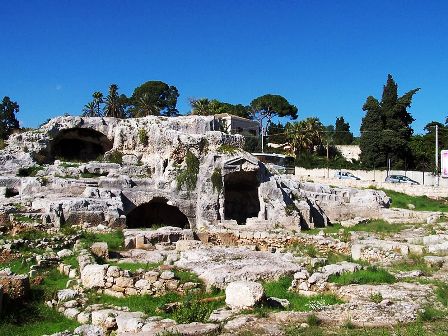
(143, 136)
(217, 180)
(30, 171)
(376, 297)
(115, 157)
(312, 320)
(189, 175)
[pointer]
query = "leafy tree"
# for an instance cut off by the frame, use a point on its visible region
(342, 135)
(8, 121)
(154, 98)
(277, 133)
(386, 128)
(204, 106)
(113, 104)
(423, 146)
(269, 106)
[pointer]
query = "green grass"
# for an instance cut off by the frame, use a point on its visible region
(114, 239)
(297, 302)
(421, 203)
(92, 175)
(33, 317)
(370, 275)
(23, 219)
(71, 260)
(412, 263)
(132, 267)
(437, 328)
(30, 171)
(186, 276)
(372, 225)
(19, 266)
(227, 149)
(190, 309)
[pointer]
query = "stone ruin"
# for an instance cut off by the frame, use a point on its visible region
(224, 186)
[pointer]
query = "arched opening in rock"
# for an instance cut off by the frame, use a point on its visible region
(79, 144)
(241, 196)
(156, 213)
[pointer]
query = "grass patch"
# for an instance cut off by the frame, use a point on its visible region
(193, 307)
(18, 266)
(133, 267)
(186, 276)
(370, 275)
(434, 328)
(33, 317)
(23, 219)
(114, 239)
(30, 171)
(92, 175)
(412, 263)
(227, 149)
(279, 289)
(430, 314)
(69, 164)
(376, 297)
(421, 203)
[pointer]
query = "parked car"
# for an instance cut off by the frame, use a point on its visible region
(345, 175)
(400, 179)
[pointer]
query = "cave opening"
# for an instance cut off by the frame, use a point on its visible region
(241, 196)
(156, 213)
(79, 144)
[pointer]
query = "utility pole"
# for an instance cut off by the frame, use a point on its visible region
(328, 162)
(437, 155)
(262, 138)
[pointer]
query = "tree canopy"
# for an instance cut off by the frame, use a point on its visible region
(8, 121)
(269, 106)
(154, 98)
(205, 106)
(386, 128)
(342, 134)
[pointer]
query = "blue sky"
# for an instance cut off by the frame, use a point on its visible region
(325, 57)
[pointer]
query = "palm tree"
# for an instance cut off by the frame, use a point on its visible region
(304, 135)
(89, 110)
(200, 106)
(98, 100)
(145, 106)
(113, 104)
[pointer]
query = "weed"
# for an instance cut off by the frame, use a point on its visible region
(348, 324)
(113, 157)
(313, 320)
(186, 276)
(92, 175)
(227, 149)
(23, 218)
(430, 314)
(376, 297)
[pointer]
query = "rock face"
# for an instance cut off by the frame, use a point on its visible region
(218, 266)
(150, 180)
(244, 294)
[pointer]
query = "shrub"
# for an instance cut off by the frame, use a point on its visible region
(227, 149)
(189, 175)
(143, 136)
(114, 157)
(30, 171)
(376, 297)
(217, 180)
(312, 320)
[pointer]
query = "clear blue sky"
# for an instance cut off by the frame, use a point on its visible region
(325, 57)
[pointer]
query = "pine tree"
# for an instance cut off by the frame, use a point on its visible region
(386, 128)
(8, 121)
(342, 135)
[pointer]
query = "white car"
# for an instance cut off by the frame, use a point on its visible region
(345, 175)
